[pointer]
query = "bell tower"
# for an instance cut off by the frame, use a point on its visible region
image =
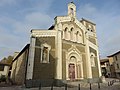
(71, 9)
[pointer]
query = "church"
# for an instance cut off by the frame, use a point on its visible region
(67, 51)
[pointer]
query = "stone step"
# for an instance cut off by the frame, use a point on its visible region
(82, 84)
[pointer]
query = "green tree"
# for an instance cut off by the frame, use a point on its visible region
(7, 60)
(4, 60)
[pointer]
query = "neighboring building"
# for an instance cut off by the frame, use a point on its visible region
(105, 67)
(67, 51)
(112, 67)
(4, 69)
(115, 59)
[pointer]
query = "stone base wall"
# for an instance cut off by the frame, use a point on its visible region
(56, 82)
(44, 83)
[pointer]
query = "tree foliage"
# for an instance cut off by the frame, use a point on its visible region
(7, 60)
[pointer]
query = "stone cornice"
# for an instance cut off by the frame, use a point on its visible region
(95, 47)
(72, 43)
(43, 33)
(80, 25)
(62, 19)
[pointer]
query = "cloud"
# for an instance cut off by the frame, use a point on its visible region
(9, 43)
(7, 2)
(19, 33)
(39, 19)
(35, 6)
(15, 33)
(86, 10)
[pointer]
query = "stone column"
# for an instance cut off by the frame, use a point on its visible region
(31, 59)
(59, 52)
(63, 36)
(99, 68)
(81, 67)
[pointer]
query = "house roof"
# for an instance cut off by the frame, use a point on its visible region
(27, 46)
(51, 27)
(104, 60)
(114, 54)
(4, 64)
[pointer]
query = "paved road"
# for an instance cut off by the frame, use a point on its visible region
(103, 86)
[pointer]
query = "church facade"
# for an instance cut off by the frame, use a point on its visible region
(67, 51)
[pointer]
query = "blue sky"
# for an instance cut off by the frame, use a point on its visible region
(18, 17)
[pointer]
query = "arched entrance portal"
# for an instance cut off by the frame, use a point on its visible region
(74, 67)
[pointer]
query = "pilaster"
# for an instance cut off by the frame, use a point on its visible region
(99, 67)
(31, 59)
(88, 63)
(81, 67)
(59, 52)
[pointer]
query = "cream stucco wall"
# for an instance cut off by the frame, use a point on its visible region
(5, 72)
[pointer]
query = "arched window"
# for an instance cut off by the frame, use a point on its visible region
(71, 34)
(79, 37)
(65, 33)
(92, 59)
(71, 11)
(72, 58)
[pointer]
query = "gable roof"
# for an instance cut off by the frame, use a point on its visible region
(27, 46)
(51, 27)
(104, 60)
(4, 64)
(114, 54)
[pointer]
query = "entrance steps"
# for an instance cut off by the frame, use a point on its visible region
(76, 83)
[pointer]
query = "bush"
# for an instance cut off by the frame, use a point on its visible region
(2, 78)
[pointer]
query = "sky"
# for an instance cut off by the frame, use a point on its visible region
(18, 17)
